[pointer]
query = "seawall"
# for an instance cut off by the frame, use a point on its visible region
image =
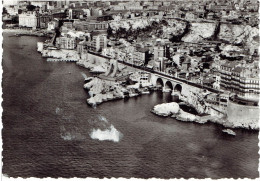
(243, 115)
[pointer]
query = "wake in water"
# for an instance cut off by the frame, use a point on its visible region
(71, 133)
(110, 133)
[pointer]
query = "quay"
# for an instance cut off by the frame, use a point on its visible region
(61, 60)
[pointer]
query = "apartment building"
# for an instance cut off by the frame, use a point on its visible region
(240, 79)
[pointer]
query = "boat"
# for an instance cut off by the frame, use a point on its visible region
(166, 90)
(229, 131)
(145, 91)
(133, 94)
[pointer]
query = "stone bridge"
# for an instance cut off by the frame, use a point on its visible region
(166, 82)
(170, 85)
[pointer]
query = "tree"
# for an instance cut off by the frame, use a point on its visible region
(4, 11)
(30, 7)
(15, 19)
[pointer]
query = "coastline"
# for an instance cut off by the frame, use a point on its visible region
(26, 32)
(181, 115)
(102, 90)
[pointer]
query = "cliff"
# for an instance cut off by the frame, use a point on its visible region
(101, 90)
(199, 31)
(131, 29)
(180, 30)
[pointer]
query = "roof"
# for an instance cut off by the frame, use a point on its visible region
(230, 64)
(209, 80)
(95, 33)
(143, 50)
(238, 69)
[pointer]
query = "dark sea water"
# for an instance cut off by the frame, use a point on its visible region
(47, 126)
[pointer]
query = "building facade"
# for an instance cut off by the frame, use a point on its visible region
(68, 43)
(28, 19)
(241, 80)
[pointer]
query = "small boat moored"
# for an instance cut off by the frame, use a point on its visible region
(229, 131)
(145, 91)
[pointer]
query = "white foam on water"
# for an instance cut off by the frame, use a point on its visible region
(110, 134)
(68, 136)
(57, 110)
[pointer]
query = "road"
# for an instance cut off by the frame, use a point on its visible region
(162, 74)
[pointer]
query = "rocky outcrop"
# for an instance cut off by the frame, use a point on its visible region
(199, 31)
(102, 90)
(131, 29)
(180, 30)
(240, 35)
(175, 29)
(173, 109)
(166, 109)
(229, 32)
(231, 52)
(195, 100)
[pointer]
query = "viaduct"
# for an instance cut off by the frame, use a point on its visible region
(166, 82)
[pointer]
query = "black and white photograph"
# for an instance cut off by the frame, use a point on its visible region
(131, 89)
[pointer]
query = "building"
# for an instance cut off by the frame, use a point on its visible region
(28, 19)
(240, 79)
(59, 15)
(52, 25)
(43, 20)
(75, 13)
(96, 12)
(96, 25)
(12, 10)
(98, 41)
(140, 56)
(161, 50)
(144, 79)
(67, 26)
(66, 42)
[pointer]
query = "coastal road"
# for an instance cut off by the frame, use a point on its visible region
(163, 74)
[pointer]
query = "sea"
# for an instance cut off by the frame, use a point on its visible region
(50, 131)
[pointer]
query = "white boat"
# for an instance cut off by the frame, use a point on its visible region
(166, 90)
(145, 91)
(133, 94)
(229, 131)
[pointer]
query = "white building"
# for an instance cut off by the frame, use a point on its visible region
(99, 42)
(39, 3)
(87, 12)
(28, 20)
(52, 25)
(68, 43)
(12, 10)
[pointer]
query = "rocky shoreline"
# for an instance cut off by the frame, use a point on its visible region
(105, 90)
(173, 110)
(102, 90)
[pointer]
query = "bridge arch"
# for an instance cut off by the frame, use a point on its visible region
(168, 85)
(159, 83)
(178, 88)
